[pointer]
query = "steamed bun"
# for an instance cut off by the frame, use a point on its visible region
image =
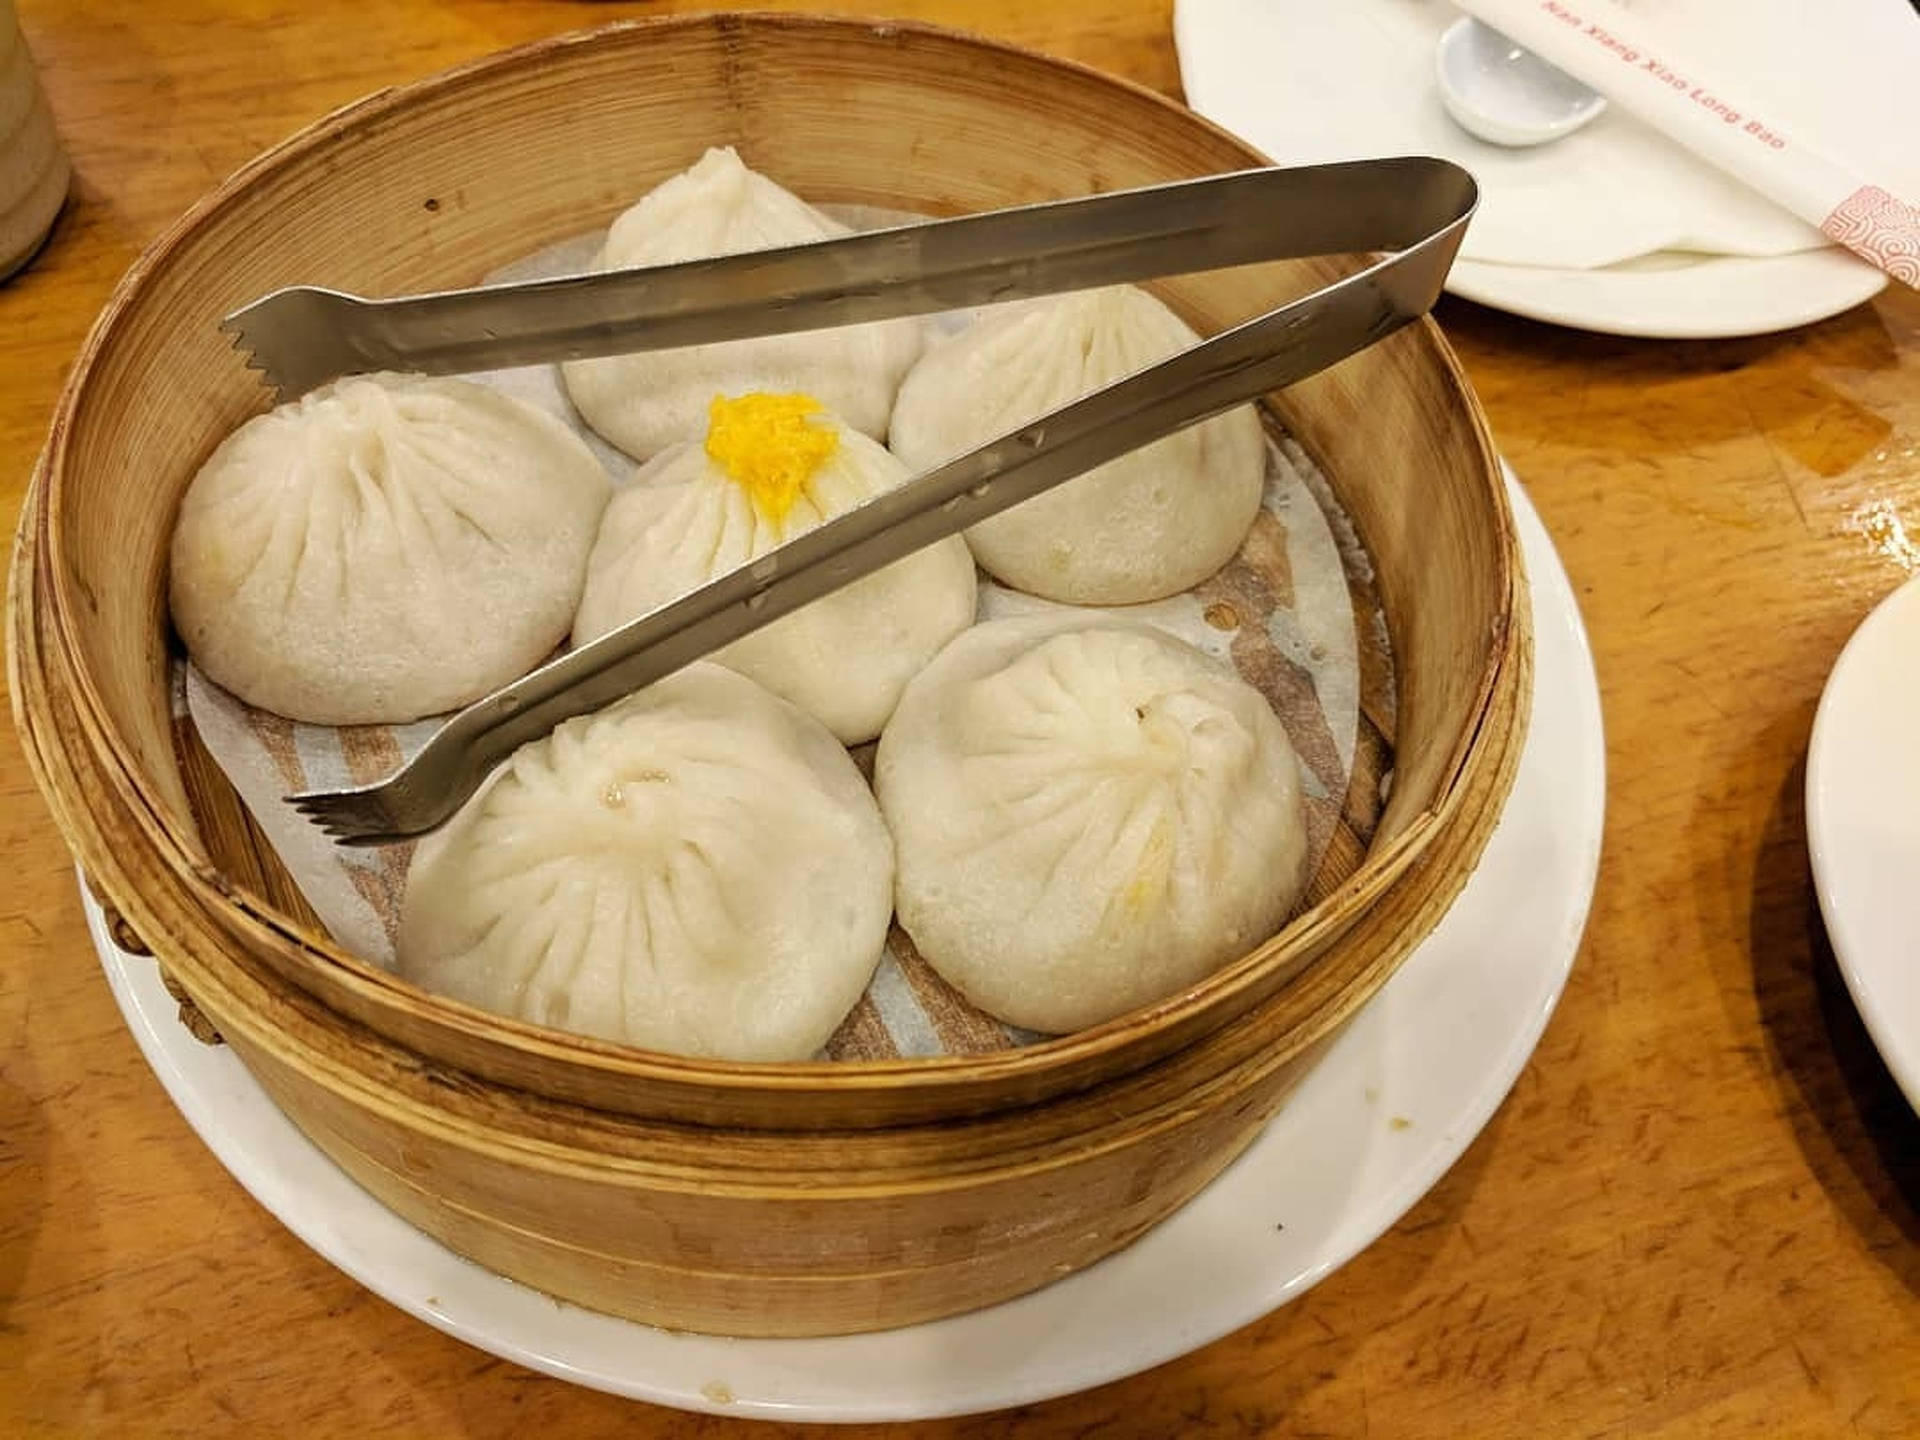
(697, 869)
(771, 468)
(646, 402)
(1150, 524)
(387, 547)
(1088, 815)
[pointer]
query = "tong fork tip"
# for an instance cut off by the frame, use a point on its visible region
(357, 817)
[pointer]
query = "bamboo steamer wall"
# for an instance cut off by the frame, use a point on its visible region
(590, 1169)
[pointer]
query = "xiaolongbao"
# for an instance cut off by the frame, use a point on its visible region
(387, 547)
(1088, 815)
(771, 468)
(697, 869)
(646, 402)
(1144, 526)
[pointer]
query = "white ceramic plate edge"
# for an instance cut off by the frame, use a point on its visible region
(1716, 298)
(1518, 923)
(1872, 916)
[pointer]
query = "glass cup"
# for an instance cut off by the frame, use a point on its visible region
(33, 167)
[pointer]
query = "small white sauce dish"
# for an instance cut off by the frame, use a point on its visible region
(1505, 94)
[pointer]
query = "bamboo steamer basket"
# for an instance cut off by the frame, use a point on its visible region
(742, 1199)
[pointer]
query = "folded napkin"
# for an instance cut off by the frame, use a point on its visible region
(1308, 82)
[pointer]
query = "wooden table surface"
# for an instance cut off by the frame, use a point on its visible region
(1697, 1213)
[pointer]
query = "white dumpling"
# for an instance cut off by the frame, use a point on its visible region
(773, 467)
(1088, 816)
(1147, 525)
(645, 402)
(698, 869)
(387, 547)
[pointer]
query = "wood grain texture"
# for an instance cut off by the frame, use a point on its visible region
(1695, 1217)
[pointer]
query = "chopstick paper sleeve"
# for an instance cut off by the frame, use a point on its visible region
(1624, 57)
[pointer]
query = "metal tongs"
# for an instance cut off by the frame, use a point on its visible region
(1416, 208)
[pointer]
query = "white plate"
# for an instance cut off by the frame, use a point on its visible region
(1676, 297)
(1366, 1135)
(1863, 825)
(1310, 82)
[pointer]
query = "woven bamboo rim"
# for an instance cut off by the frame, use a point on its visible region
(128, 819)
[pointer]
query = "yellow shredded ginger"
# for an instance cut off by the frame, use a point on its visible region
(770, 446)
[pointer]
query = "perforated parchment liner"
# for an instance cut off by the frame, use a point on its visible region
(1295, 613)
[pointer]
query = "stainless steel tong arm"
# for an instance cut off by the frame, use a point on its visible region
(304, 336)
(1422, 206)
